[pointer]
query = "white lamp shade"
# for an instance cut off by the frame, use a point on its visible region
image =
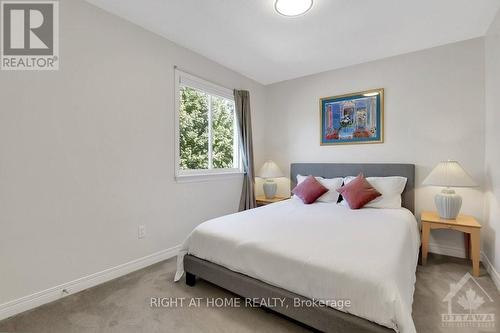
(270, 170)
(449, 174)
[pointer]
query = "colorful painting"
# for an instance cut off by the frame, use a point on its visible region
(352, 118)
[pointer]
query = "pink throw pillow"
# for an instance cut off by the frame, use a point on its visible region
(309, 190)
(358, 192)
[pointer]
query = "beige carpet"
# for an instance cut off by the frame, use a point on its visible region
(123, 305)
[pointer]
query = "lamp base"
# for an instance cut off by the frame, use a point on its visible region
(270, 188)
(448, 204)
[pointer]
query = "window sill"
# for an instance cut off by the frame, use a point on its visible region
(207, 177)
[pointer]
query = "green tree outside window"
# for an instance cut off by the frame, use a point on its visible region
(206, 125)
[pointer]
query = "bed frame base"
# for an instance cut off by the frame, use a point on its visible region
(322, 318)
(190, 279)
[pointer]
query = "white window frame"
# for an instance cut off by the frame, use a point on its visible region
(185, 79)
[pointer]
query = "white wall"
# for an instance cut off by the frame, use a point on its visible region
(492, 168)
(87, 154)
(434, 110)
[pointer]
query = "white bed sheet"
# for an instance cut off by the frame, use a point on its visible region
(321, 251)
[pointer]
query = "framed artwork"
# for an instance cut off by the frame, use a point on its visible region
(352, 118)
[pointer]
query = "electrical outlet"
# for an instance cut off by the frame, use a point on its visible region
(141, 231)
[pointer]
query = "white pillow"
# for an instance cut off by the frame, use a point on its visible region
(390, 188)
(332, 184)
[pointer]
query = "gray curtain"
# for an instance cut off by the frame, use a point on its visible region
(244, 121)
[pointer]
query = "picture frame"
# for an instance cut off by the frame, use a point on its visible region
(353, 118)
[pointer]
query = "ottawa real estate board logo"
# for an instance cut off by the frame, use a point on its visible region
(29, 35)
(469, 306)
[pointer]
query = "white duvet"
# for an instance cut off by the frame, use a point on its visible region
(322, 251)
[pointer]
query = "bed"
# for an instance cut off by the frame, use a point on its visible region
(324, 251)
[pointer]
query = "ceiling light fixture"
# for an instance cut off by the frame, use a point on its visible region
(292, 7)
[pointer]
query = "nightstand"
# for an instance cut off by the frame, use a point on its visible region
(262, 201)
(464, 223)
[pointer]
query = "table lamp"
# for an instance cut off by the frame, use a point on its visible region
(449, 174)
(269, 171)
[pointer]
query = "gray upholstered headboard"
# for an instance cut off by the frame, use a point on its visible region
(332, 170)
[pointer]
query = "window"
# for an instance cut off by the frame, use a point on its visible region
(207, 137)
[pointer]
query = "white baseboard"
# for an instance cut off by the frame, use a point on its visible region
(459, 252)
(491, 270)
(25, 303)
(447, 250)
